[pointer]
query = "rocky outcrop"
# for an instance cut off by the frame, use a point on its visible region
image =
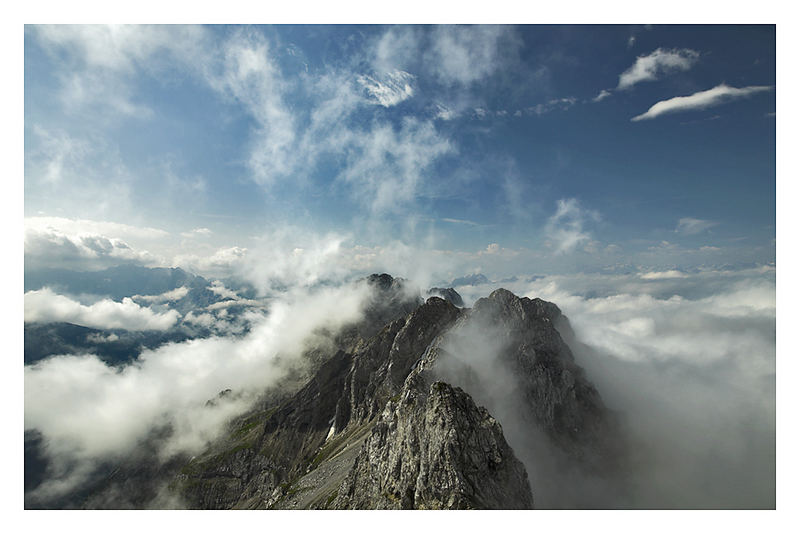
(275, 447)
(394, 420)
(449, 294)
(435, 449)
(519, 336)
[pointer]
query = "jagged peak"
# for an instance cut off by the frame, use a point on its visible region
(508, 301)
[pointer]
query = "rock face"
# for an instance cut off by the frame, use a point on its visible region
(449, 294)
(393, 418)
(435, 450)
(519, 335)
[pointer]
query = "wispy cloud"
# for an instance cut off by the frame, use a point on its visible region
(459, 221)
(602, 95)
(444, 113)
(690, 225)
(565, 229)
(467, 54)
(561, 104)
(700, 100)
(657, 63)
(386, 165)
(389, 89)
(197, 232)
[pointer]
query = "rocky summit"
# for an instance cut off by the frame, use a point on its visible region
(405, 412)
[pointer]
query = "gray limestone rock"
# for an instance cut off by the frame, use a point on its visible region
(435, 449)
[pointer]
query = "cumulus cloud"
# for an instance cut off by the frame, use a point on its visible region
(87, 411)
(84, 244)
(700, 100)
(565, 228)
(222, 262)
(46, 306)
(389, 89)
(656, 64)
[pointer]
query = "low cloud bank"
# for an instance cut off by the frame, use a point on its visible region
(688, 363)
(88, 412)
(687, 360)
(45, 306)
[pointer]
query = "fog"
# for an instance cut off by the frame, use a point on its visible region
(688, 366)
(88, 412)
(686, 360)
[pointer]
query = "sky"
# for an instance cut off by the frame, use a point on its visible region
(445, 149)
(634, 166)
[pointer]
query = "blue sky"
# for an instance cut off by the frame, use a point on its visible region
(495, 149)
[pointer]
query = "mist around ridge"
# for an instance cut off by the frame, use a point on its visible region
(693, 380)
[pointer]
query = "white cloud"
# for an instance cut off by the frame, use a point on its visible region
(218, 288)
(100, 338)
(561, 104)
(390, 89)
(444, 113)
(602, 95)
(386, 166)
(102, 60)
(700, 100)
(690, 225)
(223, 262)
(460, 221)
(396, 48)
(46, 306)
(88, 411)
(86, 226)
(662, 275)
(203, 232)
(287, 141)
(565, 228)
(687, 364)
(248, 74)
(466, 54)
(656, 64)
(168, 296)
(83, 244)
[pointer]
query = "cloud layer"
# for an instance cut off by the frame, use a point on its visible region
(688, 362)
(88, 412)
